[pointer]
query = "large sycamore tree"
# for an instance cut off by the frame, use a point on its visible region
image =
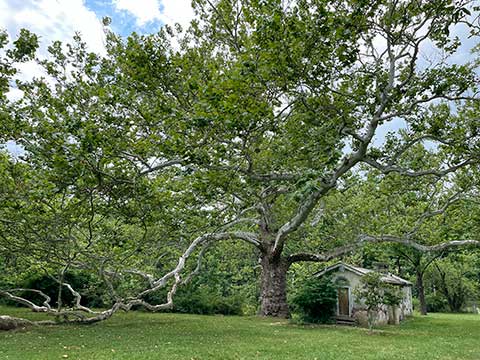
(260, 110)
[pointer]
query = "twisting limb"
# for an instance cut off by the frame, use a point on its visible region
(197, 269)
(347, 164)
(201, 240)
(204, 240)
(35, 308)
(429, 214)
(406, 240)
(386, 169)
(366, 239)
(78, 299)
(74, 315)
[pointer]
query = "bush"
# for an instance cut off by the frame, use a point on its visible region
(315, 301)
(203, 300)
(436, 303)
(82, 282)
(416, 304)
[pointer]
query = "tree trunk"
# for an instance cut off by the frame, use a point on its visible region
(274, 287)
(421, 293)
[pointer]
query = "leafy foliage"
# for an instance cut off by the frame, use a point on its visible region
(315, 300)
(456, 279)
(436, 302)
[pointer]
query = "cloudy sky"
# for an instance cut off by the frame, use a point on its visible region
(59, 19)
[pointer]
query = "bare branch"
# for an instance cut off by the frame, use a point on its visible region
(429, 214)
(46, 304)
(151, 169)
(411, 143)
(386, 169)
(197, 269)
(368, 239)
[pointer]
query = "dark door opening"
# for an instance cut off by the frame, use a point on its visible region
(343, 302)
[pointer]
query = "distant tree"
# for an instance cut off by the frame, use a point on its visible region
(420, 263)
(456, 279)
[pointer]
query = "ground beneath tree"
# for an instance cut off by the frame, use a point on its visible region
(174, 336)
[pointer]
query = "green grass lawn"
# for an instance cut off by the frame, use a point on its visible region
(172, 336)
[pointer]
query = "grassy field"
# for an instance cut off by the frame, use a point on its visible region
(174, 336)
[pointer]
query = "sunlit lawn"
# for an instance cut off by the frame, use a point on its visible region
(139, 335)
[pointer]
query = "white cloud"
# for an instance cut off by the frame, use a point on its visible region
(53, 20)
(177, 11)
(143, 10)
(166, 11)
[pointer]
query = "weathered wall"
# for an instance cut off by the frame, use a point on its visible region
(407, 305)
(358, 308)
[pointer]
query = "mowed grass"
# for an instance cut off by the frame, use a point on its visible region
(139, 335)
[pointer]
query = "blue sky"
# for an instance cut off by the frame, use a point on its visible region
(123, 21)
(129, 16)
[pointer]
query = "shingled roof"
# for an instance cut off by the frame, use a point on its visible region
(387, 277)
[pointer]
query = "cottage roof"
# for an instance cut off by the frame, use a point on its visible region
(387, 277)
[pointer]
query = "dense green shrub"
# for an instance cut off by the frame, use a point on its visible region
(416, 304)
(203, 300)
(82, 282)
(436, 303)
(315, 300)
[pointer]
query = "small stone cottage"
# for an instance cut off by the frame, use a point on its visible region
(350, 309)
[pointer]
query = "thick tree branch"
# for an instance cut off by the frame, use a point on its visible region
(429, 214)
(306, 207)
(368, 239)
(35, 308)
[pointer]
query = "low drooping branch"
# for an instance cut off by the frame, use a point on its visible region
(12, 323)
(74, 314)
(201, 240)
(197, 269)
(9, 295)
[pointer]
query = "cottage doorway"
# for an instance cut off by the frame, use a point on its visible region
(343, 302)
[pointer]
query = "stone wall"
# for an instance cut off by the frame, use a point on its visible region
(358, 309)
